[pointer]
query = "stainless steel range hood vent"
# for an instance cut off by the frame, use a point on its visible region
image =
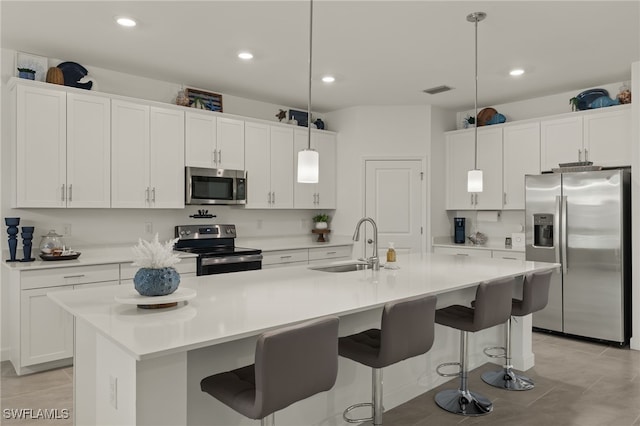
(437, 89)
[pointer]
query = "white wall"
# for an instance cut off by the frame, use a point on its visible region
(368, 132)
(635, 207)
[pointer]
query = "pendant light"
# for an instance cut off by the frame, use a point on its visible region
(474, 177)
(308, 159)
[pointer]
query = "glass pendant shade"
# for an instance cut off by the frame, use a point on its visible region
(474, 181)
(308, 166)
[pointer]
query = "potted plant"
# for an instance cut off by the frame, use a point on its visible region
(321, 221)
(27, 73)
(156, 276)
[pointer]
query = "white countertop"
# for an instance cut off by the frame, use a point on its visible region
(88, 256)
(490, 245)
(122, 253)
(234, 306)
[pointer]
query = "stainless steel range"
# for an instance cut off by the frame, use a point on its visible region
(216, 250)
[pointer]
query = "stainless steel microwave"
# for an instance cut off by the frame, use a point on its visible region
(215, 186)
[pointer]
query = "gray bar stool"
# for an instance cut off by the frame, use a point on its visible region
(291, 364)
(492, 307)
(535, 295)
(406, 331)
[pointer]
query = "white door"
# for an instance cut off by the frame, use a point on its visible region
(304, 194)
(560, 141)
(607, 136)
(282, 172)
(129, 155)
(490, 162)
(166, 162)
(521, 144)
(393, 198)
(257, 154)
(200, 139)
(88, 151)
(460, 152)
(326, 145)
(230, 144)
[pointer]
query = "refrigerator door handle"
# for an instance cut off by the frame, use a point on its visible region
(565, 266)
(556, 233)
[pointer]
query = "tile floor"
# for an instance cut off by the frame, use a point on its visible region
(577, 383)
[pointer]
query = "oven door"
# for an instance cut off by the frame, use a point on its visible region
(232, 263)
(213, 186)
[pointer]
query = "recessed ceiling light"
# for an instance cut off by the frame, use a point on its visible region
(328, 79)
(245, 55)
(516, 72)
(126, 22)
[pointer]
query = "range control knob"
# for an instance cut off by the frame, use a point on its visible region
(188, 232)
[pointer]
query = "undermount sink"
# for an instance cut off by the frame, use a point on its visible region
(343, 267)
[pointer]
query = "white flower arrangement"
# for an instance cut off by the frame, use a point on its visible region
(155, 255)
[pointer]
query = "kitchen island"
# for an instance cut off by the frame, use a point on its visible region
(137, 366)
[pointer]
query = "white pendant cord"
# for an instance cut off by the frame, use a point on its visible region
(475, 152)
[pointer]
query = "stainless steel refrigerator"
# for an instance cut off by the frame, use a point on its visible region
(582, 220)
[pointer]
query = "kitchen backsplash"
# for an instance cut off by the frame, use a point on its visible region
(507, 222)
(90, 227)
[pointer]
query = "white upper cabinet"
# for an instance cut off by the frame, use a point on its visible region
(521, 149)
(41, 134)
(460, 159)
(560, 141)
(88, 151)
(602, 136)
(166, 166)
(607, 137)
(214, 142)
(63, 142)
(230, 134)
(321, 195)
(200, 139)
(269, 165)
(147, 156)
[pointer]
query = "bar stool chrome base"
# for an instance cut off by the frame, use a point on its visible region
(465, 403)
(508, 379)
(353, 407)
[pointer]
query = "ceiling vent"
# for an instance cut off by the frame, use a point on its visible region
(437, 89)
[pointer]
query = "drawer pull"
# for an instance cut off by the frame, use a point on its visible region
(331, 252)
(462, 254)
(74, 276)
(285, 257)
(510, 258)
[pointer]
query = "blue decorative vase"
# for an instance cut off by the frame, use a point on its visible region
(156, 282)
(27, 75)
(12, 229)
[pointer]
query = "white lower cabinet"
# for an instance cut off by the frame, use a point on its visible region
(479, 252)
(462, 251)
(44, 338)
(314, 255)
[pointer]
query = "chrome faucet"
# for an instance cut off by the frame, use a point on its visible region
(373, 261)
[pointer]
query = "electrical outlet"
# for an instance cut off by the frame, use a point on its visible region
(113, 391)
(148, 227)
(66, 229)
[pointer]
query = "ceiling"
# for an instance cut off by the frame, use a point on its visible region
(381, 52)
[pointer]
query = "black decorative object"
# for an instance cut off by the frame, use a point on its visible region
(319, 124)
(12, 224)
(300, 116)
(27, 238)
(202, 214)
(73, 73)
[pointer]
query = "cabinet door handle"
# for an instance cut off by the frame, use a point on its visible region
(70, 192)
(504, 201)
(586, 154)
(62, 194)
(269, 198)
(153, 194)
(579, 154)
(273, 197)
(74, 276)
(219, 156)
(146, 194)
(213, 157)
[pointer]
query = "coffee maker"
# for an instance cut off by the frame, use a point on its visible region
(458, 230)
